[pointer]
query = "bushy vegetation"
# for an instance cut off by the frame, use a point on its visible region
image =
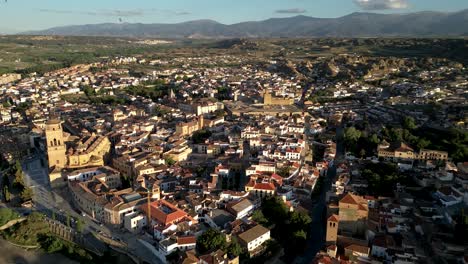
(212, 240)
(289, 228)
(382, 178)
(200, 136)
(153, 90)
(28, 232)
(6, 215)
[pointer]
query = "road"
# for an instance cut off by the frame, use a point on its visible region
(317, 231)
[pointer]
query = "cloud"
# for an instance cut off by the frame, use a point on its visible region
(117, 12)
(182, 13)
(291, 11)
(382, 4)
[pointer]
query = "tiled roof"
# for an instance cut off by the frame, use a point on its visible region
(265, 186)
(333, 218)
(186, 240)
(157, 213)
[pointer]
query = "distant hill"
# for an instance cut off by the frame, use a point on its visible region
(421, 24)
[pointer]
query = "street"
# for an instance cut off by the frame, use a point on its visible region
(317, 231)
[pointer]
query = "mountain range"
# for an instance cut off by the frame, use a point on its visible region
(421, 24)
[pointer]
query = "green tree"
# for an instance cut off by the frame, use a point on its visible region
(26, 194)
(409, 123)
(51, 244)
(79, 225)
(68, 219)
(352, 135)
(6, 193)
(6, 214)
(284, 171)
(300, 235)
(362, 153)
(300, 220)
(258, 217)
(19, 181)
(169, 161)
(211, 240)
(374, 139)
(423, 143)
(200, 136)
(234, 248)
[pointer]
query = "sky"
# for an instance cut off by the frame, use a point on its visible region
(23, 15)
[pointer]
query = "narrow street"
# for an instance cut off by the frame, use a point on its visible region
(317, 231)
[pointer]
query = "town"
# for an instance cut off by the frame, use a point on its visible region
(223, 158)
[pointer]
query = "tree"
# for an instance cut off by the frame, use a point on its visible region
(211, 240)
(258, 217)
(169, 161)
(19, 181)
(200, 136)
(352, 135)
(300, 220)
(26, 194)
(284, 171)
(68, 219)
(6, 215)
(362, 153)
(79, 225)
(6, 193)
(374, 139)
(51, 244)
(409, 123)
(300, 235)
(234, 248)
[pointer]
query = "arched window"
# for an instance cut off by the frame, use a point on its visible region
(55, 142)
(51, 143)
(59, 142)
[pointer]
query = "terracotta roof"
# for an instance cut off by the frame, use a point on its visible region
(265, 186)
(164, 212)
(348, 199)
(334, 218)
(186, 240)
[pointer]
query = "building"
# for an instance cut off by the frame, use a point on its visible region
(100, 198)
(401, 151)
(269, 99)
(188, 128)
(55, 144)
(87, 152)
(254, 238)
(164, 215)
(218, 257)
(332, 229)
(241, 208)
(353, 214)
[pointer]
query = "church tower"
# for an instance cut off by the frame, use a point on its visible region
(267, 97)
(55, 144)
(332, 229)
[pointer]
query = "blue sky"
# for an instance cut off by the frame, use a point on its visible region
(21, 15)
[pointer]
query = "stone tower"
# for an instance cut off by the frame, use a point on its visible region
(332, 229)
(55, 144)
(156, 192)
(267, 97)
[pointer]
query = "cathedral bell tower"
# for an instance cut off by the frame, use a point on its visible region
(55, 144)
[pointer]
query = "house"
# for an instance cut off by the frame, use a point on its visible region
(254, 238)
(241, 208)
